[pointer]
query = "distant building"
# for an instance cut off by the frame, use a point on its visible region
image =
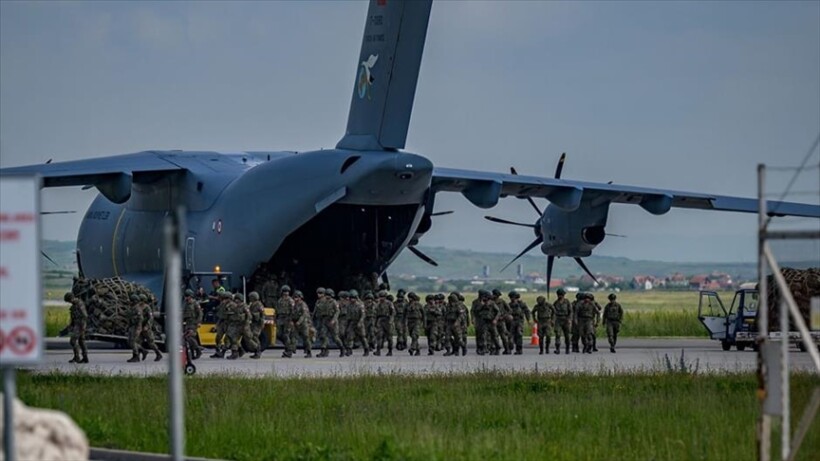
(642, 282)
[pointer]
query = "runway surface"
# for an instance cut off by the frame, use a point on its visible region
(632, 355)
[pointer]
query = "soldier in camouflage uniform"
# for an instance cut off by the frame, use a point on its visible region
(326, 313)
(135, 315)
(285, 307)
(465, 322)
(302, 323)
(191, 320)
(370, 319)
(504, 323)
(147, 333)
(520, 312)
(221, 324)
(270, 292)
(400, 320)
(613, 315)
(491, 315)
(355, 324)
(596, 320)
(575, 326)
(544, 315)
(344, 308)
(585, 311)
(478, 321)
(452, 326)
(433, 314)
(257, 322)
(385, 312)
(78, 319)
(563, 319)
(235, 318)
(415, 321)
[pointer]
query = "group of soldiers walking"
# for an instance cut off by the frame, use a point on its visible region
(371, 322)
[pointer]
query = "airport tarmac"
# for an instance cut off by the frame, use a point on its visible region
(632, 355)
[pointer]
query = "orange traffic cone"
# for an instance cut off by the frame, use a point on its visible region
(534, 338)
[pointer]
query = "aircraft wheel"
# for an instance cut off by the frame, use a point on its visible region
(190, 369)
(801, 347)
(741, 346)
(726, 345)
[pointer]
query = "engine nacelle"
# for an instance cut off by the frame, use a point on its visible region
(573, 233)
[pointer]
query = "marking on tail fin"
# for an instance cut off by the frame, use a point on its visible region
(365, 78)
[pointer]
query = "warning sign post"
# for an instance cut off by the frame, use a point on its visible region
(21, 316)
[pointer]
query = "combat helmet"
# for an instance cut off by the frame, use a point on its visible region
(496, 292)
(612, 297)
(412, 295)
(284, 289)
(143, 298)
(560, 292)
(390, 298)
(189, 292)
(253, 296)
(382, 294)
(68, 297)
(343, 294)
(513, 294)
(354, 294)
(237, 296)
(452, 297)
(329, 292)
(298, 294)
(540, 300)
(134, 297)
(400, 293)
(368, 295)
(321, 291)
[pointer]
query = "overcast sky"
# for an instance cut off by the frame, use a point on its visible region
(681, 95)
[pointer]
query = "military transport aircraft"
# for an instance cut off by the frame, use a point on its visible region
(331, 217)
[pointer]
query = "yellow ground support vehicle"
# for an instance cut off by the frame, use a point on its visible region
(207, 331)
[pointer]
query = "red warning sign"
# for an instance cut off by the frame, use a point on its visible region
(21, 340)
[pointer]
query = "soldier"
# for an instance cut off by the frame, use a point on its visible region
(284, 323)
(326, 313)
(221, 324)
(385, 311)
(504, 323)
(400, 320)
(544, 315)
(432, 314)
(595, 321)
(585, 311)
(613, 315)
(370, 319)
(563, 319)
(355, 324)
(147, 333)
(575, 327)
(78, 319)
(134, 315)
(519, 311)
(491, 315)
(191, 320)
(465, 322)
(344, 307)
(270, 291)
(301, 322)
(257, 322)
(235, 319)
(452, 326)
(415, 320)
(478, 321)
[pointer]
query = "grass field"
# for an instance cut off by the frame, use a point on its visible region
(661, 416)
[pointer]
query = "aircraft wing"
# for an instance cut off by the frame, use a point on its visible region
(96, 170)
(484, 189)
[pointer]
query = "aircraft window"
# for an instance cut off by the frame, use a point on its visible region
(349, 162)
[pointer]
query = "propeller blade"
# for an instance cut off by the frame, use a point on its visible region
(529, 199)
(47, 257)
(57, 212)
(504, 221)
(585, 268)
(532, 245)
(560, 167)
(550, 261)
(49, 161)
(442, 213)
(422, 256)
(616, 235)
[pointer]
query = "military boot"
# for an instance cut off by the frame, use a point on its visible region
(558, 348)
(75, 359)
(342, 352)
(85, 358)
(418, 352)
(158, 357)
(430, 352)
(218, 354)
(448, 352)
(612, 349)
(143, 353)
(134, 358)
(308, 355)
(389, 351)
(378, 352)
(463, 350)
(518, 350)
(567, 351)
(257, 355)
(541, 349)
(366, 352)
(234, 355)
(455, 352)
(594, 344)
(575, 348)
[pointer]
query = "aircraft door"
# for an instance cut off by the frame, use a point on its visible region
(712, 314)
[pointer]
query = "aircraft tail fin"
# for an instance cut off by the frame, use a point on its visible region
(386, 75)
